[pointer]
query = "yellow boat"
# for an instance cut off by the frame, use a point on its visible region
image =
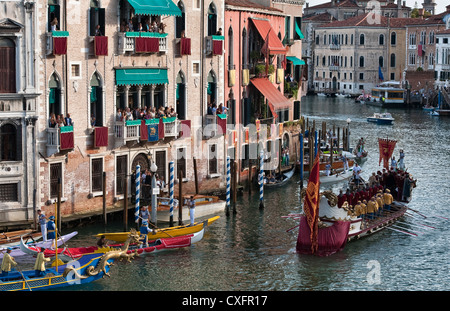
(163, 232)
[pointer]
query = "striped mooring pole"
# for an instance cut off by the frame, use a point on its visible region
(171, 180)
(228, 186)
(138, 190)
(261, 180)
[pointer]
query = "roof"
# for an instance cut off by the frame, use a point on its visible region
(324, 17)
(250, 4)
(363, 20)
(345, 3)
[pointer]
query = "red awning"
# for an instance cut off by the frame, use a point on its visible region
(274, 43)
(277, 101)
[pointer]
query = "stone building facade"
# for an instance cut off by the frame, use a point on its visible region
(19, 93)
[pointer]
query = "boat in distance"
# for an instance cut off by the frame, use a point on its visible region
(381, 118)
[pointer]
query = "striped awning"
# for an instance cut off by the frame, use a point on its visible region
(155, 7)
(141, 76)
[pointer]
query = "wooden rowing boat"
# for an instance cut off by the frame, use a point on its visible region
(14, 236)
(154, 246)
(162, 232)
(279, 181)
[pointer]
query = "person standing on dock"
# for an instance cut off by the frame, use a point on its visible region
(191, 205)
(43, 224)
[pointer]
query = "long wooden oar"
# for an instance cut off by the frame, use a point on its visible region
(408, 229)
(24, 278)
(430, 227)
(405, 232)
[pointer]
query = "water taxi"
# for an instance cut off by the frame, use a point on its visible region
(387, 95)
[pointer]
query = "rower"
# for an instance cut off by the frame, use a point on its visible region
(388, 199)
(144, 230)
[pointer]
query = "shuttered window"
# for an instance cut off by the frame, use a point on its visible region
(55, 175)
(97, 175)
(7, 66)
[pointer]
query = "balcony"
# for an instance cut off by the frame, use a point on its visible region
(215, 125)
(128, 41)
(126, 131)
(134, 131)
(335, 68)
(335, 46)
(214, 45)
(56, 42)
(59, 138)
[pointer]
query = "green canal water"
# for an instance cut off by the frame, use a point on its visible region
(251, 250)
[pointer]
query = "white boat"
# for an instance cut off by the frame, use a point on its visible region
(321, 94)
(381, 118)
(434, 113)
(204, 206)
(336, 177)
(16, 251)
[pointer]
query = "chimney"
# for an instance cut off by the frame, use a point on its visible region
(448, 8)
(399, 4)
(421, 11)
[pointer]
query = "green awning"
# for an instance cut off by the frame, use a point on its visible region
(155, 7)
(295, 60)
(299, 31)
(60, 33)
(141, 76)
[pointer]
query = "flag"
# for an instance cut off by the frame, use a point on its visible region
(311, 203)
(386, 147)
(380, 74)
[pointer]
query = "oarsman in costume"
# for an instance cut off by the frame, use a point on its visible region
(380, 202)
(388, 199)
(39, 265)
(357, 210)
(342, 197)
(372, 207)
(7, 262)
(363, 209)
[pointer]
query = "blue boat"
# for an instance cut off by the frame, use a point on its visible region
(85, 269)
(381, 118)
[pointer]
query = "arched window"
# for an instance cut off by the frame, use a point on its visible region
(212, 88)
(96, 17)
(212, 20)
(96, 101)
(244, 49)
(361, 39)
(7, 66)
(361, 61)
(392, 60)
(180, 21)
(230, 49)
(54, 97)
(181, 96)
(381, 39)
(393, 38)
(53, 15)
(8, 143)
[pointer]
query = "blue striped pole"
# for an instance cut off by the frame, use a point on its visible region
(228, 186)
(261, 180)
(315, 143)
(171, 180)
(301, 160)
(138, 190)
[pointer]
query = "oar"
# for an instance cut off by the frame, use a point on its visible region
(410, 215)
(416, 212)
(24, 278)
(292, 228)
(413, 234)
(157, 227)
(408, 229)
(416, 225)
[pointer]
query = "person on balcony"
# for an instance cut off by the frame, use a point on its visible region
(130, 25)
(98, 32)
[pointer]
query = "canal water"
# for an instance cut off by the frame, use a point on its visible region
(251, 250)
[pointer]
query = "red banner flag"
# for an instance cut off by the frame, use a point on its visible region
(311, 203)
(386, 147)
